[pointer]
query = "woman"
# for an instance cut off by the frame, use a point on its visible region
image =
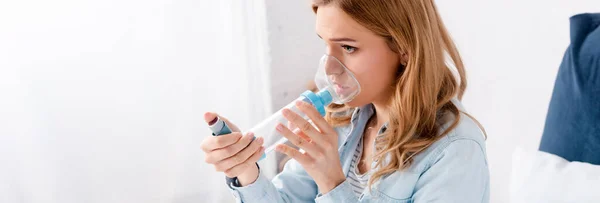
(407, 139)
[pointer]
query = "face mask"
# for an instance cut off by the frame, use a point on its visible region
(334, 78)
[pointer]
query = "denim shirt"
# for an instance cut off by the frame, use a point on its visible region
(452, 169)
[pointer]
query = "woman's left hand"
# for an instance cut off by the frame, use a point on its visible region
(320, 158)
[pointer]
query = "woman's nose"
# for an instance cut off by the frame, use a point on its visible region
(332, 67)
(331, 51)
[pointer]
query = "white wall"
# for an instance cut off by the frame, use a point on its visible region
(512, 50)
(295, 49)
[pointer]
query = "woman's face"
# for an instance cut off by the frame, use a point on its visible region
(364, 53)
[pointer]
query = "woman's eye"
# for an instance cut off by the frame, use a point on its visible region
(349, 49)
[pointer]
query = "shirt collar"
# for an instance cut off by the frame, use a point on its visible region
(365, 112)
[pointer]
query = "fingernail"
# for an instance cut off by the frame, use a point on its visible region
(299, 103)
(250, 134)
(279, 127)
(285, 112)
(260, 140)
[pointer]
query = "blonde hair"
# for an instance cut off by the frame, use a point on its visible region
(424, 87)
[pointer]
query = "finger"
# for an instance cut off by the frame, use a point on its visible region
(297, 131)
(302, 135)
(216, 142)
(240, 156)
(210, 117)
(315, 116)
(238, 169)
(293, 153)
(303, 125)
(290, 125)
(302, 142)
(224, 153)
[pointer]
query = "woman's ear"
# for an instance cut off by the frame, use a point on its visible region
(403, 61)
(403, 58)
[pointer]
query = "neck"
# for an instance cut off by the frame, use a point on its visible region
(381, 114)
(382, 108)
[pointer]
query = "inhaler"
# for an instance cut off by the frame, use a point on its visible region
(336, 84)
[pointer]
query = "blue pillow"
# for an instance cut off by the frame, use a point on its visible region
(572, 128)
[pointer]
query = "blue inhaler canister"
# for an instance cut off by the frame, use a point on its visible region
(219, 127)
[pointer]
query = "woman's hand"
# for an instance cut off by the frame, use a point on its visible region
(233, 154)
(320, 158)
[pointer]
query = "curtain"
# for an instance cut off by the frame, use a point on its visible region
(103, 101)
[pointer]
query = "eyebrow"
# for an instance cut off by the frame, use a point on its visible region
(343, 39)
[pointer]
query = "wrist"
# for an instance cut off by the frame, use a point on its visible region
(331, 184)
(249, 176)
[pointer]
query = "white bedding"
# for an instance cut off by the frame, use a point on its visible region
(546, 178)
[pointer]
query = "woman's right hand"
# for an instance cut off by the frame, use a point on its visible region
(234, 154)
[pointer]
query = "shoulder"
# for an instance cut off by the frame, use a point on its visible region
(465, 143)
